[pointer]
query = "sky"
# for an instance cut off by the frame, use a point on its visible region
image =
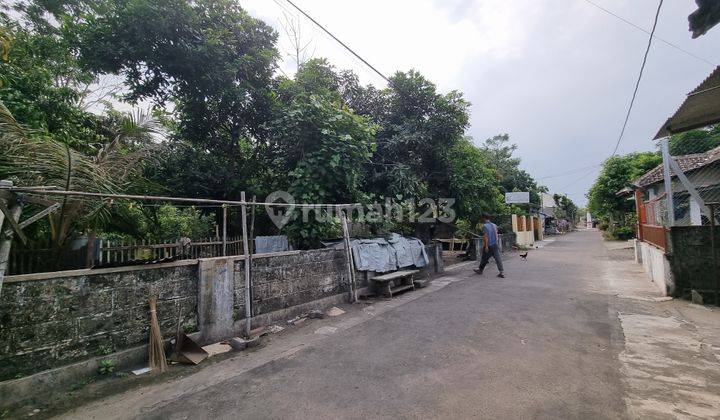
(556, 75)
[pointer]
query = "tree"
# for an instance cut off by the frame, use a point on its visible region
(507, 168)
(565, 209)
(472, 182)
(42, 85)
(324, 147)
(208, 67)
(617, 173)
(695, 141)
(417, 126)
(208, 58)
(299, 48)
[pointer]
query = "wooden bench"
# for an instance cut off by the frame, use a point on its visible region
(385, 284)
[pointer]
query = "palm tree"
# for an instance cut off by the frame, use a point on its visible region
(30, 158)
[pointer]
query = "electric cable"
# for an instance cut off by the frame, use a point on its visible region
(637, 84)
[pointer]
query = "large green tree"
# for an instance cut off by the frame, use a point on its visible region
(617, 173)
(322, 144)
(42, 84)
(511, 178)
(208, 62)
(566, 208)
(209, 69)
(473, 181)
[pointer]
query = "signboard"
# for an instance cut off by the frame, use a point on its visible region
(517, 197)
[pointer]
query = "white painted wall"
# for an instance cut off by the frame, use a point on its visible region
(657, 267)
(525, 238)
(695, 213)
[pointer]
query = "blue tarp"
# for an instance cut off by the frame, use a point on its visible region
(381, 255)
(268, 244)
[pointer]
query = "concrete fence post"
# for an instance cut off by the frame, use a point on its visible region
(439, 264)
(215, 298)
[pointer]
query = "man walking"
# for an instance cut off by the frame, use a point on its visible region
(491, 247)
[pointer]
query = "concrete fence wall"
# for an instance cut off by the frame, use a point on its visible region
(507, 241)
(690, 256)
(656, 266)
(282, 282)
(524, 229)
(48, 320)
(51, 320)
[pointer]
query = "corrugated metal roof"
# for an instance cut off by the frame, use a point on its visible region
(686, 162)
(700, 109)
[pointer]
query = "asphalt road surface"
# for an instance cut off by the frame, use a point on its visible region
(545, 342)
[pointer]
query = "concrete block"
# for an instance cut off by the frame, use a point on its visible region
(240, 344)
(215, 299)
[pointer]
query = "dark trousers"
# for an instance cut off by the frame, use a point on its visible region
(493, 251)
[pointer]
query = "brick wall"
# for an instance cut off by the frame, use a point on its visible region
(57, 321)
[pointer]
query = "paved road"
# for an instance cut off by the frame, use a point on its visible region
(534, 344)
(545, 342)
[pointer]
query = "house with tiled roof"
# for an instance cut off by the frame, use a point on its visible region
(678, 232)
(701, 169)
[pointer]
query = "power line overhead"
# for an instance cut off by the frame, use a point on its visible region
(339, 42)
(637, 83)
(640, 28)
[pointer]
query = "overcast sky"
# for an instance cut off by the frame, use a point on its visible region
(557, 75)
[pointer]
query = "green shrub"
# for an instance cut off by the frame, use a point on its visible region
(624, 233)
(619, 233)
(106, 367)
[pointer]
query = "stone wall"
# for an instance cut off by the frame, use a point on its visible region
(691, 259)
(290, 280)
(54, 319)
(51, 322)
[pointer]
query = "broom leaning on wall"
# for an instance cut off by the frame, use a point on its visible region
(156, 348)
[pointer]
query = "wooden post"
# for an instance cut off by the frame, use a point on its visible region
(6, 241)
(640, 213)
(252, 228)
(348, 254)
(251, 240)
(246, 249)
(224, 238)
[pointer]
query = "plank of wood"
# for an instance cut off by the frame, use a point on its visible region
(12, 221)
(401, 288)
(395, 275)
